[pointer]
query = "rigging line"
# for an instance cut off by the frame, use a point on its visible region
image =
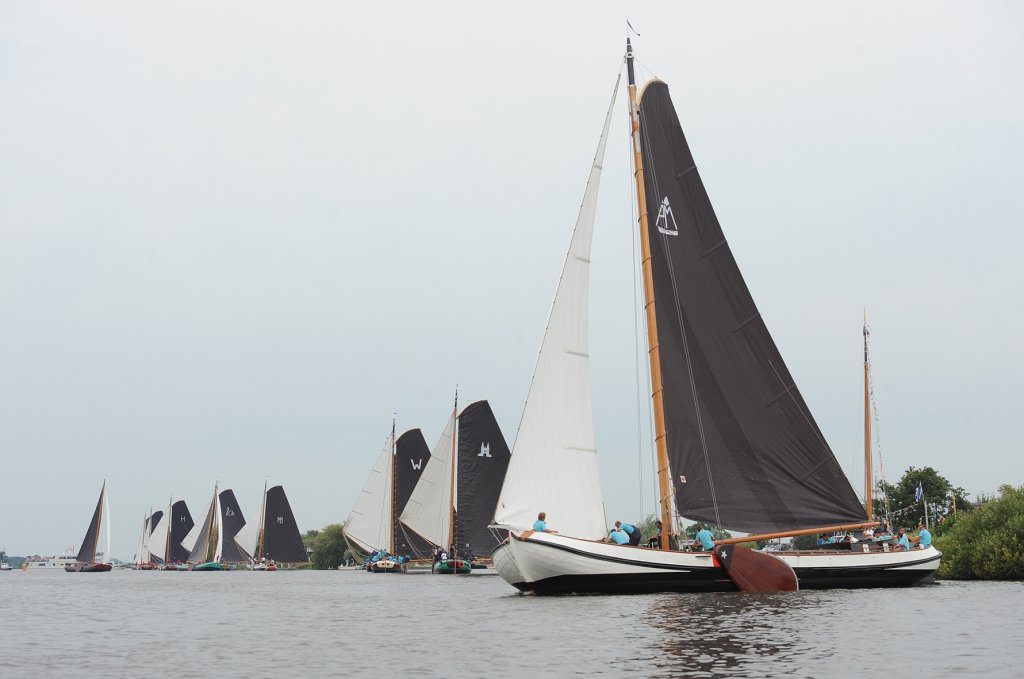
(636, 340)
(686, 344)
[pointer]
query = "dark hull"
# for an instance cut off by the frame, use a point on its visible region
(87, 567)
(452, 567)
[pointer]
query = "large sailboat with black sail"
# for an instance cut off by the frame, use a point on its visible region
(86, 561)
(373, 527)
(278, 540)
(735, 441)
(453, 503)
(165, 542)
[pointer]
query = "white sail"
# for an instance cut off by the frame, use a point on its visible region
(219, 552)
(189, 541)
(247, 537)
(156, 543)
(428, 511)
(369, 524)
(141, 554)
(554, 467)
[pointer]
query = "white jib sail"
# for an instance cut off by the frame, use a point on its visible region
(369, 524)
(553, 467)
(142, 555)
(156, 543)
(220, 531)
(428, 511)
(106, 521)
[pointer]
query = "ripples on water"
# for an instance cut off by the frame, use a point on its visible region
(342, 623)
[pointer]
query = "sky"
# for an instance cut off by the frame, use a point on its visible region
(236, 239)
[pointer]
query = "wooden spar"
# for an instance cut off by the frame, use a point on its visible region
(868, 501)
(170, 526)
(802, 531)
(657, 394)
(262, 525)
(451, 490)
(96, 540)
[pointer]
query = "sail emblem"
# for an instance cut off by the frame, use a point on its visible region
(485, 450)
(228, 511)
(664, 215)
(280, 520)
(417, 465)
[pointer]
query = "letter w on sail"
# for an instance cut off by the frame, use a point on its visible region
(416, 465)
(664, 215)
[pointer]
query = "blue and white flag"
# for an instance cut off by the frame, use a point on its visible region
(919, 493)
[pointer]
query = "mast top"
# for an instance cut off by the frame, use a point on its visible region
(629, 63)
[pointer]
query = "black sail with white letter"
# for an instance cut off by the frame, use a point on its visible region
(749, 445)
(282, 541)
(483, 458)
(181, 526)
(231, 521)
(411, 457)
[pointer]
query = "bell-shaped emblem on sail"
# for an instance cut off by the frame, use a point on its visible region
(664, 217)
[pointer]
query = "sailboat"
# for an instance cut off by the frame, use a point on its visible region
(454, 501)
(209, 544)
(736, 444)
(373, 525)
(85, 561)
(278, 540)
(143, 557)
(165, 541)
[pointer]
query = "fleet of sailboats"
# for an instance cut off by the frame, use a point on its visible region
(736, 444)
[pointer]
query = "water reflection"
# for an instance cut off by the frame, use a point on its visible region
(721, 634)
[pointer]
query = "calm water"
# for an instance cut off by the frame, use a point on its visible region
(340, 623)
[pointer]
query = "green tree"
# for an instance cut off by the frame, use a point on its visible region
(986, 543)
(328, 548)
(309, 537)
(939, 493)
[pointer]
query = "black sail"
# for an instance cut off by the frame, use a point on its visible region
(152, 522)
(754, 447)
(483, 459)
(87, 552)
(231, 521)
(411, 456)
(281, 539)
(181, 526)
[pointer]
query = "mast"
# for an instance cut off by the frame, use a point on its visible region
(661, 444)
(106, 522)
(262, 525)
(868, 500)
(213, 518)
(170, 527)
(451, 494)
(391, 531)
(96, 538)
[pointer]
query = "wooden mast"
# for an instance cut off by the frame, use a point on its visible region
(868, 500)
(391, 536)
(262, 524)
(451, 494)
(96, 539)
(170, 527)
(657, 392)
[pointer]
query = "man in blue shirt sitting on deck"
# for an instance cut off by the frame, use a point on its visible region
(706, 539)
(924, 537)
(632, 531)
(618, 536)
(903, 542)
(541, 524)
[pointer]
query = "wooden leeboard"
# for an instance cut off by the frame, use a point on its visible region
(754, 571)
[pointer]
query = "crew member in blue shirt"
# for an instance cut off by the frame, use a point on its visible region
(632, 531)
(706, 539)
(903, 542)
(541, 524)
(618, 536)
(924, 537)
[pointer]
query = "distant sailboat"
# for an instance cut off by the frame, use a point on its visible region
(455, 498)
(373, 524)
(143, 557)
(86, 559)
(209, 545)
(165, 542)
(278, 540)
(736, 444)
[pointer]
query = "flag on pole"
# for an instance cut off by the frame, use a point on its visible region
(919, 493)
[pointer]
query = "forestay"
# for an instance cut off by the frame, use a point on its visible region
(554, 459)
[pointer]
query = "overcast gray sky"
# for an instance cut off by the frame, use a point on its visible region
(236, 237)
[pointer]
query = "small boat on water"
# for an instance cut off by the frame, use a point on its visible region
(278, 540)
(86, 561)
(736, 444)
(453, 502)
